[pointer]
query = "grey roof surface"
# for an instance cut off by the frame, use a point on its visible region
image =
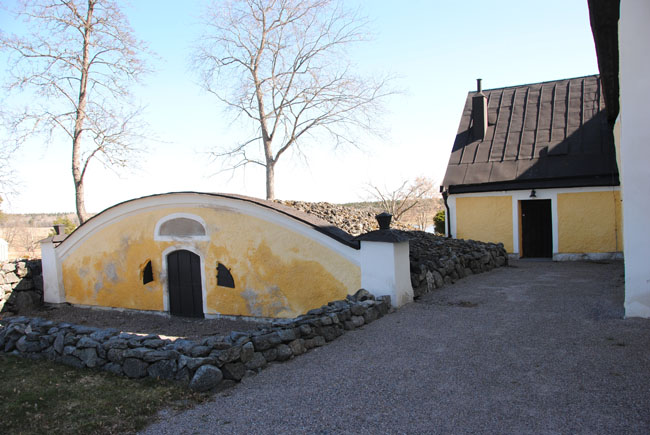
(550, 134)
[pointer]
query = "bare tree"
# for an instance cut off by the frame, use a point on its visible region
(75, 66)
(407, 196)
(7, 183)
(281, 65)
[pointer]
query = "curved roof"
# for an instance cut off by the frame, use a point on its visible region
(310, 221)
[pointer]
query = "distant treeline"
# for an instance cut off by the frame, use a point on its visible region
(34, 219)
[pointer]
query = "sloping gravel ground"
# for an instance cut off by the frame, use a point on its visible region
(538, 347)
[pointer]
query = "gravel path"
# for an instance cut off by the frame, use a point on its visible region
(538, 347)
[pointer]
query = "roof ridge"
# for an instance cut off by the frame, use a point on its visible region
(537, 83)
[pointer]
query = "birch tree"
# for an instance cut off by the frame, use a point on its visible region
(282, 65)
(75, 66)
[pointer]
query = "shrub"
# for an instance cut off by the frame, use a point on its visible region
(439, 222)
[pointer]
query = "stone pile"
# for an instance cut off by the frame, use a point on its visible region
(436, 261)
(351, 220)
(200, 364)
(21, 285)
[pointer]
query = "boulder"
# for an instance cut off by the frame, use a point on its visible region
(164, 369)
(206, 378)
(234, 371)
(135, 368)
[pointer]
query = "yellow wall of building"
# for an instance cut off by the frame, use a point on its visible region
(277, 272)
(589, 222)
(485, 218)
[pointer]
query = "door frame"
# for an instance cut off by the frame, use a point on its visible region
(164, 274)
(551, 227)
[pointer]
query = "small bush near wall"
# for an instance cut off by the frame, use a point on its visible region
(21, 285)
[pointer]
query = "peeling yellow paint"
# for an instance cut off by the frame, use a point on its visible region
(485, 218)
(589, 222)
(277, 272)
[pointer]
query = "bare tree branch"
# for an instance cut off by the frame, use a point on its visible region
(79, 59)
(407, 196)
(282, 63)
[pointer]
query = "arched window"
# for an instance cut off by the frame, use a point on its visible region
(147, 273)
(180, 226)
(224, 277)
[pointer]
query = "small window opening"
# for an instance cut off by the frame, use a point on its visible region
(147, 273)
(224, 277)
(181, 227)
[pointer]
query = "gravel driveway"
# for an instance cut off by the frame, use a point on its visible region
(537, 347)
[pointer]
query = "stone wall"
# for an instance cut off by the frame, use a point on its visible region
(436, 261)
(21, 285)
(354, 221)
(200, 364)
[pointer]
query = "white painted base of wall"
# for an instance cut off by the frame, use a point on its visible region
(637, 309)
(589, 256)
(385, 270)
(52, 284)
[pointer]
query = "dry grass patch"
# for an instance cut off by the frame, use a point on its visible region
(44, 397)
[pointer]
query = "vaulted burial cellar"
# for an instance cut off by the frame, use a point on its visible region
(199, 254)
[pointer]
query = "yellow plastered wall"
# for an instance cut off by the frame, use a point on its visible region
(277, 272)
(485, 218)
(589, 222)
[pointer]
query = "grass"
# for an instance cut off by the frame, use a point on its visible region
(45, 397)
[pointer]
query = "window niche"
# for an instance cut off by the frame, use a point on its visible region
(224, 277)
(179, 227)
(182, 227)
(147, 273)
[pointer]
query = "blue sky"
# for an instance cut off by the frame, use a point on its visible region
(436, 49)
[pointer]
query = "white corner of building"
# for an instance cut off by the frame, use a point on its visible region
(385, 270)
(53, 291)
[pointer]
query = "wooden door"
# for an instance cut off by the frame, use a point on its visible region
(184, 281)
(536, 230)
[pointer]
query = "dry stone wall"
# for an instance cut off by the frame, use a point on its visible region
(352, 220)
(21, 285)
(436, 261)
(202, 365)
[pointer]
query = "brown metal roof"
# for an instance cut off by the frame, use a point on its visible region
(550, 134)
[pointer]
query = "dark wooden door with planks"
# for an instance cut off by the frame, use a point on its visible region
(536, 229)
(184, 281)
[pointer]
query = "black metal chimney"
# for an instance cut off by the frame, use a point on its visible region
(479, 113)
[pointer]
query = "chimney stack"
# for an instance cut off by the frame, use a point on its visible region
(479, 113)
